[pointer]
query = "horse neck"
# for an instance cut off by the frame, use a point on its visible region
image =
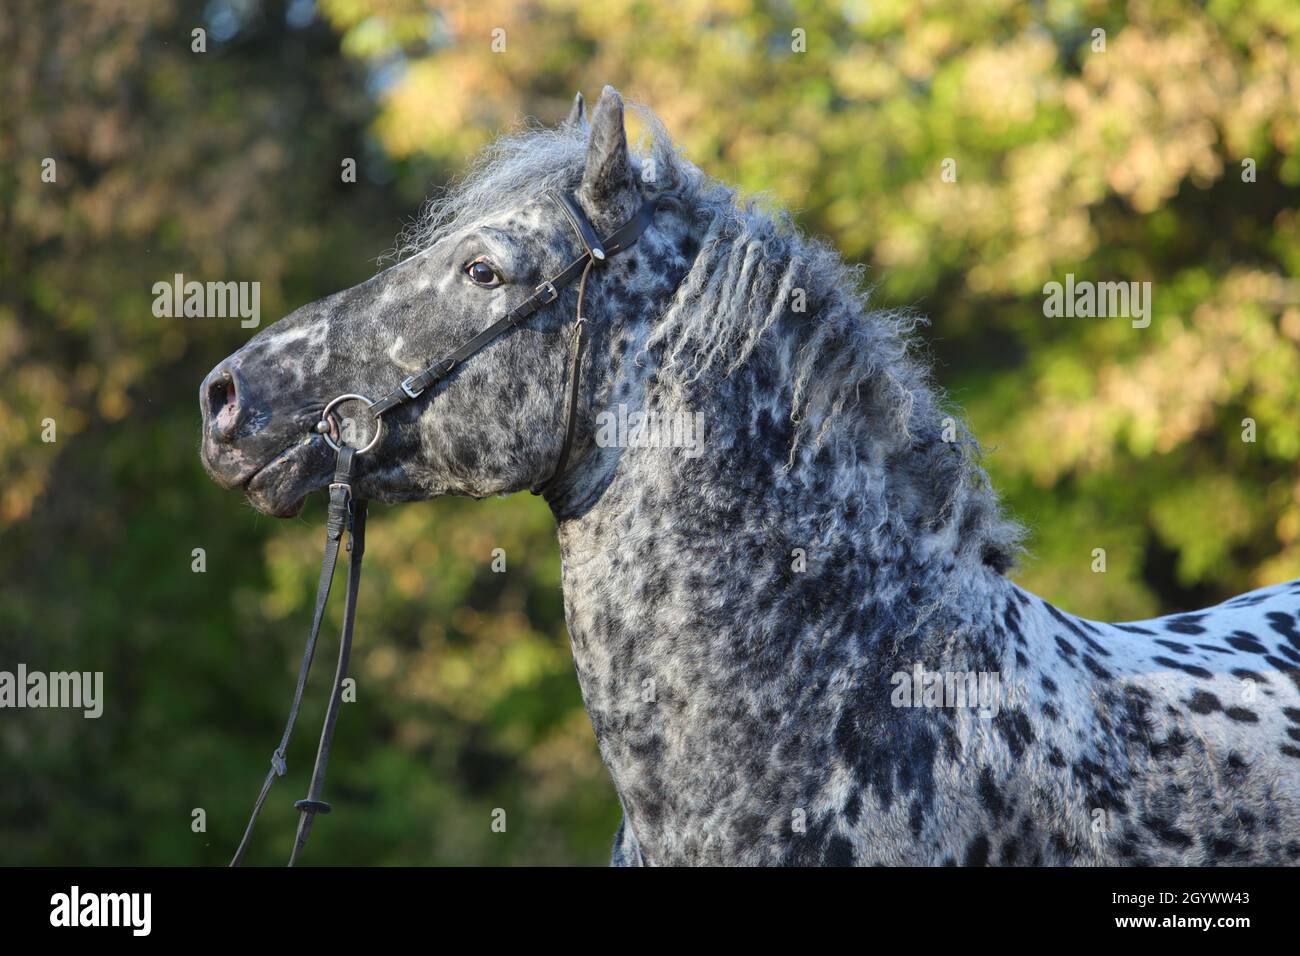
(705, 596)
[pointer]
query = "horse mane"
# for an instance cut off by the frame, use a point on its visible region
(858, 385)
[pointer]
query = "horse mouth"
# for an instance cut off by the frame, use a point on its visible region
(281, 486)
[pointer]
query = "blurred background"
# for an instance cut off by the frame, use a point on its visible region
(1169, 157)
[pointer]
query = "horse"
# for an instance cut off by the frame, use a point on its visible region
(797, 638)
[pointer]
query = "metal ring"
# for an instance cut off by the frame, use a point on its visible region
(325, 414)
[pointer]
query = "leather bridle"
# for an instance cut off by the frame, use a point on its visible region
(347, 513)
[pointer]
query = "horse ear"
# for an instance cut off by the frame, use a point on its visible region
(577, 115)
(609, 186)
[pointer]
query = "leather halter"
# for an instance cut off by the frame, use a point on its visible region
(348, 514)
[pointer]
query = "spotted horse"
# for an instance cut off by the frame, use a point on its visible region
(744, 619)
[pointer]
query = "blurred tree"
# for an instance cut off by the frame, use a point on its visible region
(226, 165)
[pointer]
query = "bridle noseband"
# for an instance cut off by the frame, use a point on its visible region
(348, 513)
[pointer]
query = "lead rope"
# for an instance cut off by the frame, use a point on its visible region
(313, 804)
(344, 515)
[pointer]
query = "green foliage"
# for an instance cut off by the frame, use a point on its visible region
(1125, 164)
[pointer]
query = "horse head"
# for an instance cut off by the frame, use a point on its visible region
(494, 423)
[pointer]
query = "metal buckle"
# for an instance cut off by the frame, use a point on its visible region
(548, 286)
(406, 387)
(348, 512)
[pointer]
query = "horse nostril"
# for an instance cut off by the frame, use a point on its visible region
(224, 404)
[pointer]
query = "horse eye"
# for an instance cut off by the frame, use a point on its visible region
(480, 272)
